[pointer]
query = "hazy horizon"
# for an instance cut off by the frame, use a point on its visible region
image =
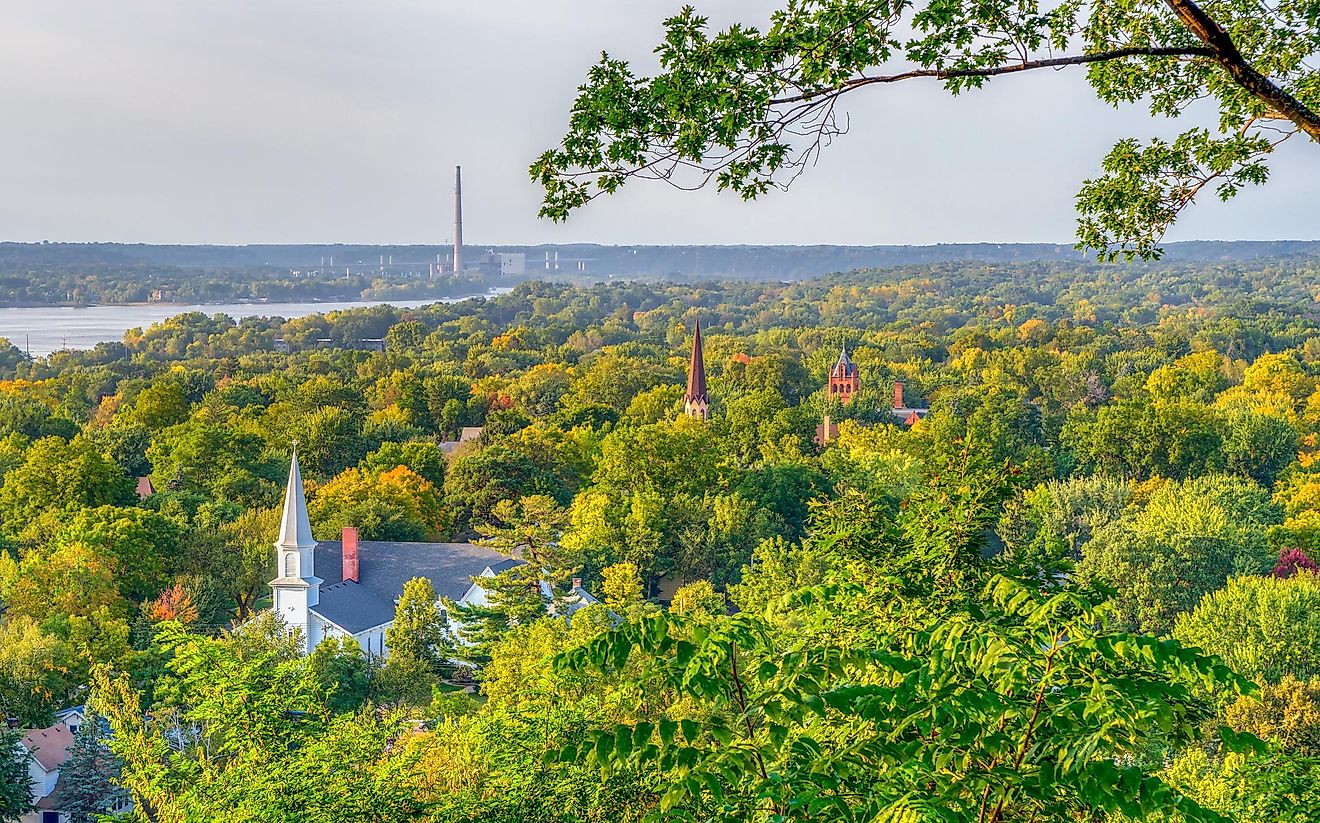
(513, 244)
(299, 122)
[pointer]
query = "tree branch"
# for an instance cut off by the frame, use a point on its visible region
(741, 696)
(1225, 52)
(1013, 68)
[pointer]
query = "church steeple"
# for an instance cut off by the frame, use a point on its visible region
(845, 367)
(296, 588)
(696, 402)
(295, 527)
(844, 379)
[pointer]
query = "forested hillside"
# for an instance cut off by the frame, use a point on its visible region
(1081, 588)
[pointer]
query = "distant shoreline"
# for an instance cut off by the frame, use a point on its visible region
(299, 302)
(46, 328)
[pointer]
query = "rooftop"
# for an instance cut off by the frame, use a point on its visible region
(50, 746)
(383, 568)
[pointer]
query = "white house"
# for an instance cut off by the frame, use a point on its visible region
(350, 587)
(48, 750)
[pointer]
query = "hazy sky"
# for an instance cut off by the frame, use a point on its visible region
(281, 121)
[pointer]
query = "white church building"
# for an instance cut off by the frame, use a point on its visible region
(350, 587)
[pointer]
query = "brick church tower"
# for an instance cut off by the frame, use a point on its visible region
(844, 381)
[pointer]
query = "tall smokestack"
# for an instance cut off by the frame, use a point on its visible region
(458, 219)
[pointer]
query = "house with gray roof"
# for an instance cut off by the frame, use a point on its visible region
(350, 587)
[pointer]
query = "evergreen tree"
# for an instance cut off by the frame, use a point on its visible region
(15, 790)
(513, 598)
(90, 774)
(531, 527)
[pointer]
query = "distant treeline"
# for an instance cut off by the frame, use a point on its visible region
(1241, 309)
(90, 283)
(115, 272)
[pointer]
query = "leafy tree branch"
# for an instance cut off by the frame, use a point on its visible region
(749, 110)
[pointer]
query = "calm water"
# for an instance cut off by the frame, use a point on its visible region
(45, 329)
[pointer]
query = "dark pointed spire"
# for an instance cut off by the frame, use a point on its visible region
(845, 366)
(696, 403)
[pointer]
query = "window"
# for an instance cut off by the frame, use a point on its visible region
(50, 817)
(290, 565)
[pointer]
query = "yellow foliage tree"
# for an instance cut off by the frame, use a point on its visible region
(399, 491)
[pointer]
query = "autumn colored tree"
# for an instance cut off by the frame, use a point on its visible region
(175, 603)
(422, 457)
(70, 579)
(397, 504)
(1293, 561)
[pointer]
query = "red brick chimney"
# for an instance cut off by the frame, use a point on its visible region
(577, 583)
(349, 549)
(898, 395)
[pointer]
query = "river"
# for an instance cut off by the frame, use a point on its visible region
(44, 329)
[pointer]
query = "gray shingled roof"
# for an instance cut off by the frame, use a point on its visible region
(505, 564)
(383, 568)
(353, 608)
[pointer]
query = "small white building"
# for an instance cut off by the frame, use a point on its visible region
(513, 263)
(350, 587)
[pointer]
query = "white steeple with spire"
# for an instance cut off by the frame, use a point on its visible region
(296, 589)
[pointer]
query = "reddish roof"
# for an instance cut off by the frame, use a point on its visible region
(49, 747)
(824, 434)
(52, 801)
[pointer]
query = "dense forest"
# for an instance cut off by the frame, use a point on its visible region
(1083, 587)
